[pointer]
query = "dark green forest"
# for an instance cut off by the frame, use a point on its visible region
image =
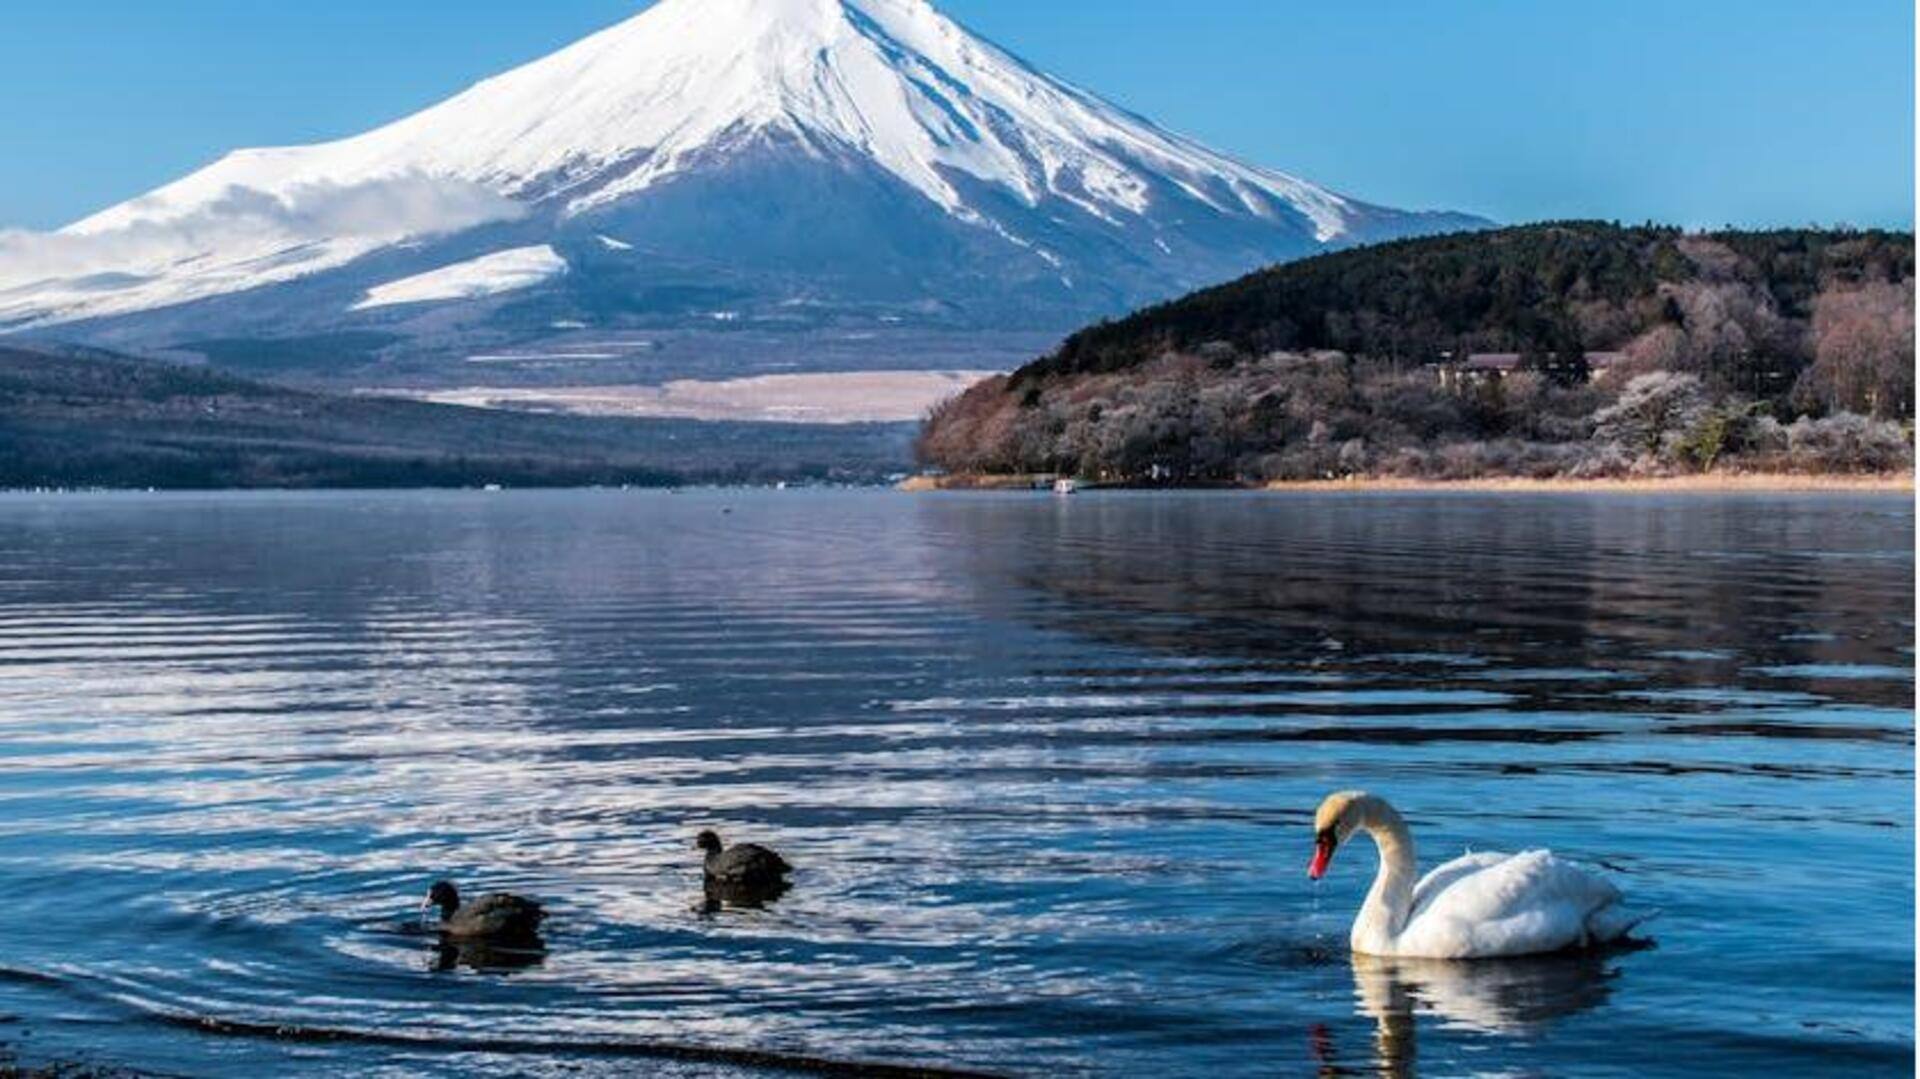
(1536, 290)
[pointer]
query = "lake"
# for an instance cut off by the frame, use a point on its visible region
(1047, 767)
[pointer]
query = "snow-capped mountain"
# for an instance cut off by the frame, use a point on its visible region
(771, 162)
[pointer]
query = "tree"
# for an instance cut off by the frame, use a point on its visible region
(1652, 408)
(1863, 351)
(1847, 442)
(1726, 428)
(1733, 330)
(1662, 348)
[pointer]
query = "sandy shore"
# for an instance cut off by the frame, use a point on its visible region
(1709, 483)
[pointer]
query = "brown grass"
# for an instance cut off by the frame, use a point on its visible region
(1703, 483)
(977, 481)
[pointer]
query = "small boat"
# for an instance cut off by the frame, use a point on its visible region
(1066, 487)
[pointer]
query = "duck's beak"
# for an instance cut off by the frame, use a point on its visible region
(1323, 845)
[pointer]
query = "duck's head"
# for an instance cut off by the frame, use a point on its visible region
(1337, 818)
(445, 896)
(708, 841)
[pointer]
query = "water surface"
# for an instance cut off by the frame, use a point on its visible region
(1047, 766)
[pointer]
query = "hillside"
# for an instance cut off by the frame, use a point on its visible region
(1472, 353)
(93, 420)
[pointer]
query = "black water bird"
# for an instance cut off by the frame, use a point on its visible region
(497, 917)
(743, 867)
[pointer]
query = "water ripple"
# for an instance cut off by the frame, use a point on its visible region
(1046, 784)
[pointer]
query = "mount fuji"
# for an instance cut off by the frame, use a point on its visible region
(787, 167)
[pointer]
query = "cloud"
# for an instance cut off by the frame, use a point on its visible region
(243, 222)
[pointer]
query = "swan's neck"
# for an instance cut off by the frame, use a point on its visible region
(1391, 900)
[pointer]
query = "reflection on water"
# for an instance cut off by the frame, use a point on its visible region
(1511, 997)
(1048, 766)
(485, 957)
(742, 895)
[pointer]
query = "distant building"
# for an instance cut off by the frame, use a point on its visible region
(1599, 363)
(1481, 368)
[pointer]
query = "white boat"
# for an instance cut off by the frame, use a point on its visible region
(1066, 487)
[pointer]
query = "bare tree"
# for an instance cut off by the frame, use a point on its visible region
(1730, 327)
(1863, 351)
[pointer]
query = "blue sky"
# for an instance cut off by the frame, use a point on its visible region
(1700, 112)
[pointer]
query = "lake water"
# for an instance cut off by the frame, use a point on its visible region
(1047, 766)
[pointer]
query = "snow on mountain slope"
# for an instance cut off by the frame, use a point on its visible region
(625, 108)
(968, 168)
(161, 253)
(488, 275)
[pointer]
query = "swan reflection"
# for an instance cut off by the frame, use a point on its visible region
(1481, 996)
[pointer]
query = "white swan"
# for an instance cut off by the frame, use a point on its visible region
(1476, 906)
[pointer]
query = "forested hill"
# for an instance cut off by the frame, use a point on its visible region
(1480, 354)
(1533, 289)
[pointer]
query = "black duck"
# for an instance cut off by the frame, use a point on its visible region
(743, 865)
(494, 917)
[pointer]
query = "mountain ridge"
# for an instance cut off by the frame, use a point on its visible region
(940, 171)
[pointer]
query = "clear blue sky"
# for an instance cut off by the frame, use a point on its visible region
(1700, 112)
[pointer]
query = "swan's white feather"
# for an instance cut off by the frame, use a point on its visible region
(1489, 904)
(1444, 875)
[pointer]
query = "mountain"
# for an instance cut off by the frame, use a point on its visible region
(737, 165)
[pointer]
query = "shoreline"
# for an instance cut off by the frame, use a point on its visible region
(1707, 483)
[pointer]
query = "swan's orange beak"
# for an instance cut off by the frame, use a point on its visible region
(1323, 845)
